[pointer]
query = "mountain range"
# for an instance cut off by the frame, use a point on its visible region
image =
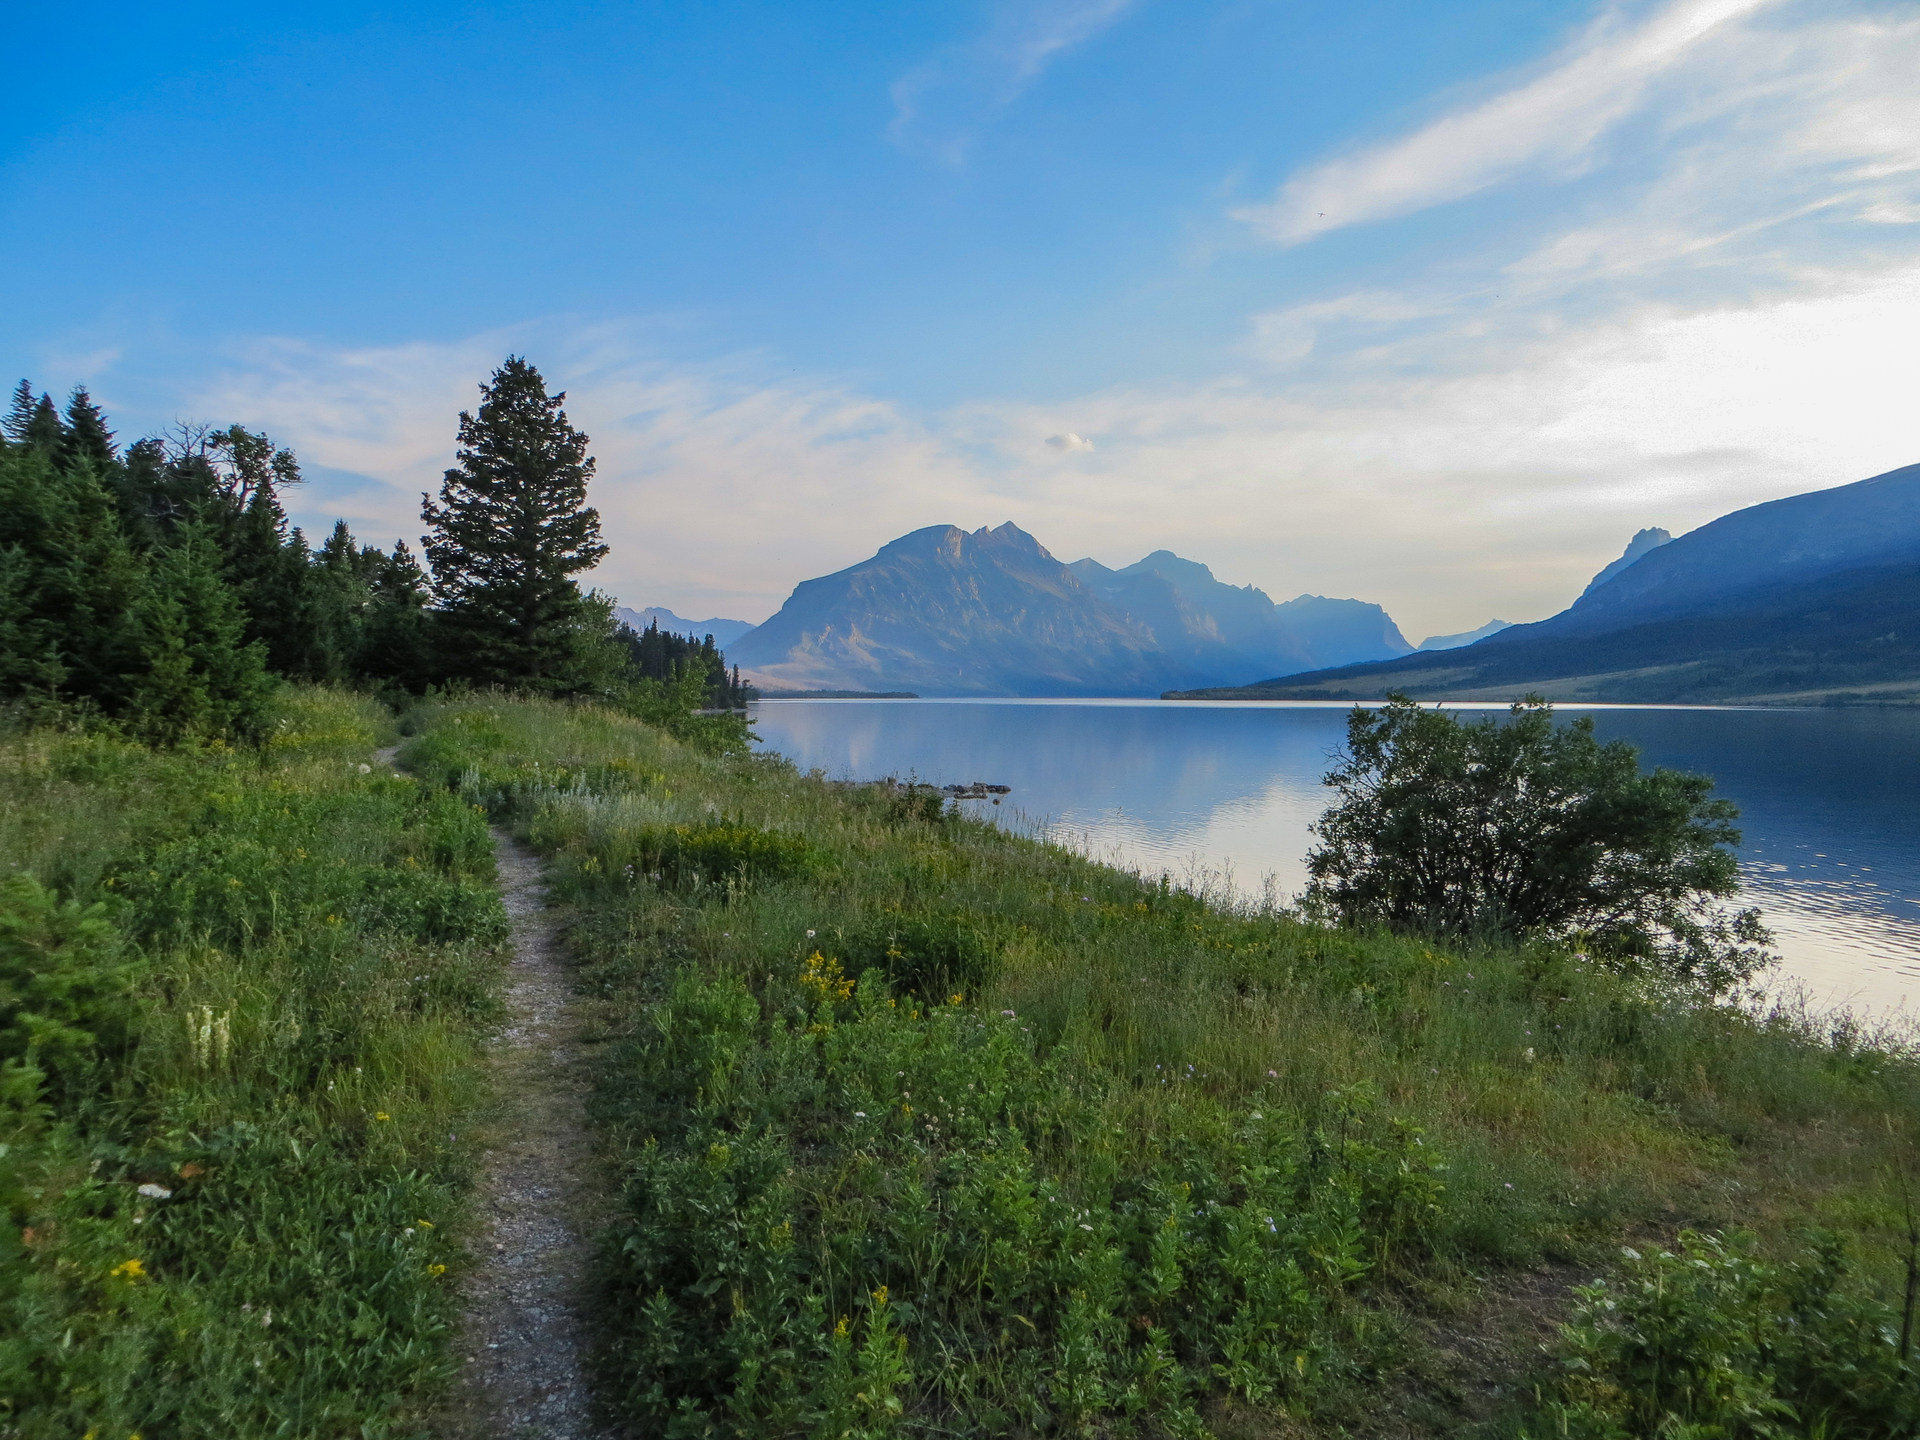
(945, 611)
(724, 632)
(1814, 598)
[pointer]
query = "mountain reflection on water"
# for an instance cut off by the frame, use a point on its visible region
(1828, 799)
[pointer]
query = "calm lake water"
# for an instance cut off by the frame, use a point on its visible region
(1829, 799)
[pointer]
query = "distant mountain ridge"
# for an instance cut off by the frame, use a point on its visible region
(1467, 637)
(944, 611)
(1815, 597)
(724, 632)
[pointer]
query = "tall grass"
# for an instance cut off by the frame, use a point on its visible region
(233, 1195)
(787, 961)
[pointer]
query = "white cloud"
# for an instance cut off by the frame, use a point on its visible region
(1069, 442)
(1550, 122)
(718, 487)
(940, 104)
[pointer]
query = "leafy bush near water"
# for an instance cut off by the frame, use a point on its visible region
(240, 995)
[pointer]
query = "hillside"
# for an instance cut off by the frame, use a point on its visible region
(946, 612)
(1811, 599)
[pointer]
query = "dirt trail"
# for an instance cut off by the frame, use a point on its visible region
(523, 1370)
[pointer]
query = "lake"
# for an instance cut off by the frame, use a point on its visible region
(1829, 799)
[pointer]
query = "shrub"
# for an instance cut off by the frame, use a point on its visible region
(1506, 829)
(695, 854)
(1707, 1340)
(65, 1001)
(928, 955)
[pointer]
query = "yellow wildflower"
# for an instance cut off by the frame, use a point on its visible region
(436, 1270)
(129, 1270)
(824, 977)
(880, 1296)
(381, 1115)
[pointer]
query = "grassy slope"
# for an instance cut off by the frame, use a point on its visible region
(1156, 1042)
(307, 962)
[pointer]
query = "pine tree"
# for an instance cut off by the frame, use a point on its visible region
(44, 431)
(199, 679)
(511, 530)
(19, 413)
(87, 436)
(394, 641)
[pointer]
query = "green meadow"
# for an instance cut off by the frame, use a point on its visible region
(919, 1126)
(923, 1126)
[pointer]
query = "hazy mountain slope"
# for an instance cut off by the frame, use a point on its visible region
(1467, 637)
(1643, 541)
(945, 612)
(1783, 542)
(1816, 596)
(724, 632)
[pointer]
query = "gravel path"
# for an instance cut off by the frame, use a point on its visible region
(523, 1372)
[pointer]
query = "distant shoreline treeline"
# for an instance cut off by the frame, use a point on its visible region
(162, 587)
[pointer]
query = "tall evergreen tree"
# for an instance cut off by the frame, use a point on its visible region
(19, 413)
(87, 436)
(511, 530)
(44, 430)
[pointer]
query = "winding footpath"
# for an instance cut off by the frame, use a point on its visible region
(522, 1346)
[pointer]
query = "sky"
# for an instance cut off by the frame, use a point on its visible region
(1433, 305)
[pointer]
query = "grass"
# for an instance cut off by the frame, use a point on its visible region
(242, 996)
(926, 1126)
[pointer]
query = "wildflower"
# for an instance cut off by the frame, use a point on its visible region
(424, 1224)
(1087, 1228)
(381, 1115)
(366, 769)
(809, 934)
(840, 1330)
(1007, 1013)
(436, 1271)
(859, 1114)
(955, 999)
(1509, 1184)
(129, 1270)
(1273, 1074)
(880, 1296)
(154, 1192)
(1528, 1056)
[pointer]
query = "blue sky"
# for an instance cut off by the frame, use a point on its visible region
(1430, 304)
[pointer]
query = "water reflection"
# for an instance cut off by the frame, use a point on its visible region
(1831, 853)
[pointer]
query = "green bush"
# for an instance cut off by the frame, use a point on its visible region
(65, 988)
(932, 956)
(1516, 828)
(1709, 1341)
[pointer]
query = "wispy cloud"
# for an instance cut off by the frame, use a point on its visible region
(941, 104)
(1724, 320)
(1551, 122)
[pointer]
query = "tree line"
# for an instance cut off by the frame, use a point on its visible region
(162, 587)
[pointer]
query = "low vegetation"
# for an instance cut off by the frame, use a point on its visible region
(241, 999)
(927, 1126)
